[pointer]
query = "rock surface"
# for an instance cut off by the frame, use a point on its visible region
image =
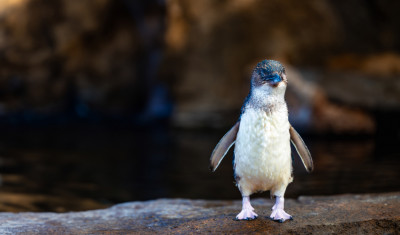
(344, 214)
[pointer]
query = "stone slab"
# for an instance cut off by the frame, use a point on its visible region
(342, 214)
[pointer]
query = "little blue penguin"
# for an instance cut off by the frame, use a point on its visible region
(262, 136)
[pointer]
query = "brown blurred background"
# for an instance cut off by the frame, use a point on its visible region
(107, 101)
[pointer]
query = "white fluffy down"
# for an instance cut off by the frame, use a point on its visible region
(262, 151)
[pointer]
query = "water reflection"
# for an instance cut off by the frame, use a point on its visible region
(82, 168)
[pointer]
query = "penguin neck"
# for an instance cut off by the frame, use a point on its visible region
(267, 99)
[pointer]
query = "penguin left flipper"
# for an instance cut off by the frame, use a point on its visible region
(223, 147)
(301, 149)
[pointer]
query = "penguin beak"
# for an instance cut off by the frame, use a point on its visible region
(274, 79)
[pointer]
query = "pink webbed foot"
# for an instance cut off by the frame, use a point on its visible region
(278, 214)
(247, 212)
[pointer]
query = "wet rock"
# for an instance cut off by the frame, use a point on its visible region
(20, 202)
(345, 214)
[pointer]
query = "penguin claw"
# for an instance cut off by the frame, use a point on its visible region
(248, 218)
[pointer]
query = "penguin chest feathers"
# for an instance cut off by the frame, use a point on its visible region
(262, 150)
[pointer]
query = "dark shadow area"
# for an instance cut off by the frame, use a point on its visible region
(86, 166)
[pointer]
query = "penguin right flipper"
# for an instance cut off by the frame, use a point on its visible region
(301, 149)
(223, 147)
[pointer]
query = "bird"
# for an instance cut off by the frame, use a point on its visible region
(262, 135)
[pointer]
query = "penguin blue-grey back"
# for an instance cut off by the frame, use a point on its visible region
(262, 137)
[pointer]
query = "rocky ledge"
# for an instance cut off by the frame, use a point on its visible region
(343, 214)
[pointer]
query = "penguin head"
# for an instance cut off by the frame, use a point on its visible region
(269, 73)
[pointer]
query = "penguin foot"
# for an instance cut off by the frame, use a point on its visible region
(280, 215)
(246, 214)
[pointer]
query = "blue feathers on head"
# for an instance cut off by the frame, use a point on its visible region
(267, 67)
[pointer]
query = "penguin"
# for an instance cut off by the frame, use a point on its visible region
(262, 135)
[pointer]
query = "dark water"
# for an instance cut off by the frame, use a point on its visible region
(88, 167)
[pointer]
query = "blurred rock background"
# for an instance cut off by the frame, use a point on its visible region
(342, 58)
(135, 59)
(80, 58)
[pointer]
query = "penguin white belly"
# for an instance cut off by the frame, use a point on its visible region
(262, 152)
